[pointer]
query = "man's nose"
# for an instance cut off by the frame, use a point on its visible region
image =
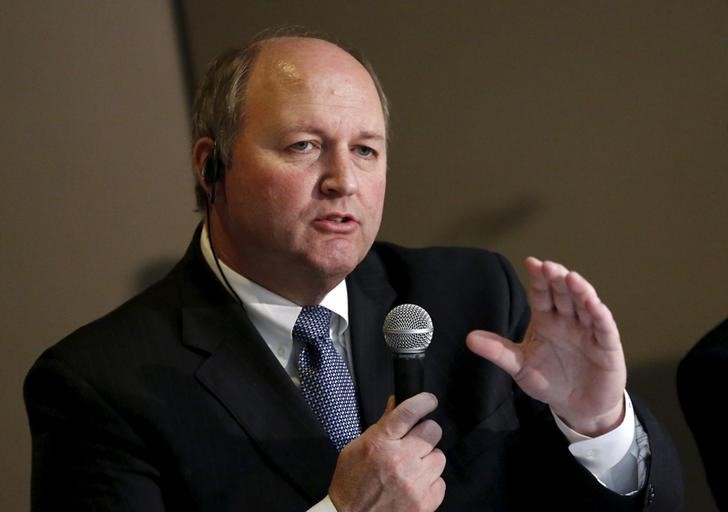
(339, 177)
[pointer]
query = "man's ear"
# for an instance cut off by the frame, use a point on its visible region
(201, 151)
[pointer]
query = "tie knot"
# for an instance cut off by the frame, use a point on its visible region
(312, 324)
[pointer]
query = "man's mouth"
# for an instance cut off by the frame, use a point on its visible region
(339, 219)
(337, 222)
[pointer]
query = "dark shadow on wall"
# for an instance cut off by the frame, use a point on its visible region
(655, 385)
(183, 44)
(490, 224)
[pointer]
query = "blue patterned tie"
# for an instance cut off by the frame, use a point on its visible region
(325, 381)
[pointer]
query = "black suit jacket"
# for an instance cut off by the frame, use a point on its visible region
(174, 402)
(702, 372)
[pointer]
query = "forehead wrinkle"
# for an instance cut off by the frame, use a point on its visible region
(359, 126)
(330, 97)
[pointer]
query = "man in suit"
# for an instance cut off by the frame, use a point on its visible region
(702, 372)
(201, 393)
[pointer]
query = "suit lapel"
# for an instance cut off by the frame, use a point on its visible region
(370, 298)
(245, 377)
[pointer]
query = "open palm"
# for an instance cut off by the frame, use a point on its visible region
(571, 357)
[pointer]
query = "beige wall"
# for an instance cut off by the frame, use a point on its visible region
(96, 180)
(590, 134)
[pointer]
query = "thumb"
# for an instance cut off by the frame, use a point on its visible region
(500, 351)
(397, 421)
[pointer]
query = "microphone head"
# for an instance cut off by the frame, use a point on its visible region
(408, 329)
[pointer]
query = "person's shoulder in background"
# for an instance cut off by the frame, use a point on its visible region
(702, 384)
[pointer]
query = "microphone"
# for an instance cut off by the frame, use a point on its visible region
(408, 332)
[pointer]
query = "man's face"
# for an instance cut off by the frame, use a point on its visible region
(304, 192)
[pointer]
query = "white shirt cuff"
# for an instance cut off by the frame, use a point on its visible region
(617, 459)
(601, 453)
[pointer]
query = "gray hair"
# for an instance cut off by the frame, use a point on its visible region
(219, 108)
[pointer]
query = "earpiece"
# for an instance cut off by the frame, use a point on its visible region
(212, 172)
(213, 168)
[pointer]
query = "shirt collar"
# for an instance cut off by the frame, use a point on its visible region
(277, 314)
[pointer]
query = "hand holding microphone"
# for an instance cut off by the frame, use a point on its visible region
(395, 464)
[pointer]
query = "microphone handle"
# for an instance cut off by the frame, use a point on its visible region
(409, 375)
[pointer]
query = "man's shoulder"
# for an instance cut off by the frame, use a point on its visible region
(707, 359)
(465, 273)
(449, 261)
(465, 288)
(382, 246)
(149, 318)
(125, 324)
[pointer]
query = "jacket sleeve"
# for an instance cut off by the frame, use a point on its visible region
(86, 457)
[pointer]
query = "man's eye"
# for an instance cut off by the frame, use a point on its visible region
(303, 145)
(364, 151)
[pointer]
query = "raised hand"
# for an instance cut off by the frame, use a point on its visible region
(394, 464)
(571, 356)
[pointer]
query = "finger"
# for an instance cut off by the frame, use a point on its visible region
(433, 496)
(581, 289)
(423, 438)
(498, 350)
(434, 464)
(593, 310)
(562, 297)
(400, 420)
(539, 293)
(605, 328)
(436, 494)
(583, 315)
(583, 292)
